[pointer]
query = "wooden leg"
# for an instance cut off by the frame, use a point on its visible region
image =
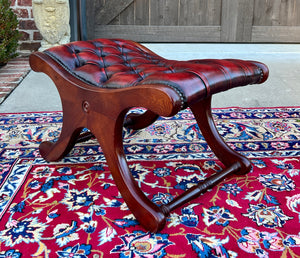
(146, 212)
(203, 115)
(53, 151)
(234, 162)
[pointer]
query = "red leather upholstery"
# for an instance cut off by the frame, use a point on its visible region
(115, 63)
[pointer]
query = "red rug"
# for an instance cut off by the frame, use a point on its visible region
(72, 208)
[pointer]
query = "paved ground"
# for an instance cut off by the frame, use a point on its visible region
(38, 93)
(11, 75)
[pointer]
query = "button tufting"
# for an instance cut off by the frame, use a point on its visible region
(110, 63)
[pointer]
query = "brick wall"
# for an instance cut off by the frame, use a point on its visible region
(31, 38)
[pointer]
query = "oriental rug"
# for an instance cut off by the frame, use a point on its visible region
(72, 208)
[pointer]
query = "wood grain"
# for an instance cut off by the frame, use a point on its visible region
(237, 20)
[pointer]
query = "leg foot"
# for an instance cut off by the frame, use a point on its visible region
(71, 129)
(55, 151)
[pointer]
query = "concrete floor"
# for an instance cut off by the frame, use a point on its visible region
(38, 93)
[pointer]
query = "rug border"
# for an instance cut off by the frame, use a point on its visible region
(214, 108)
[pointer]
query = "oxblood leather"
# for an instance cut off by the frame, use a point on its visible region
(109, 63)
(100, 80)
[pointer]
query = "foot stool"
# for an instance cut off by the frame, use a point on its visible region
(100, 80)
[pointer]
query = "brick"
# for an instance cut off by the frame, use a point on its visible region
(37, 35)
(9, 79)
(31, 46)
(3, 95)
(13, 3)
(21, 58)
(27, 25)
(25, 2)
(7, 89)
(22, 13)
(4, 69)
(9, 72)
(24, 35)
(4, 84)
(23, 9)
(16, 67)
(19, 61)
(11, 75)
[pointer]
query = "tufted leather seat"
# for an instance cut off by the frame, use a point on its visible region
(100, 80)
(108, 63)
